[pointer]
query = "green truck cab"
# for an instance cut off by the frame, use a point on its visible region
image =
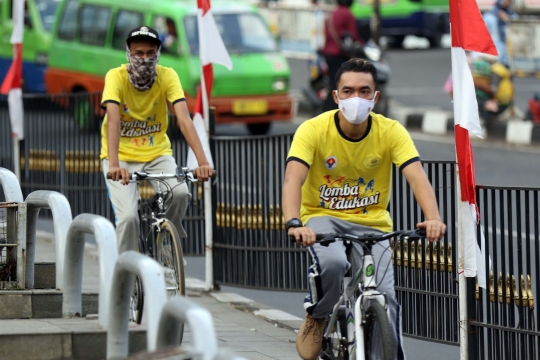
(399, 18)
(38, 21)
(88, 39)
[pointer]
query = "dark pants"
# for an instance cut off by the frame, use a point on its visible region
(334, 63)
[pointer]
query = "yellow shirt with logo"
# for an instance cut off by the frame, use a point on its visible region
(143, 114)
(350, 179)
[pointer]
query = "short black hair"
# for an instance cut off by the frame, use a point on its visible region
(357, 65)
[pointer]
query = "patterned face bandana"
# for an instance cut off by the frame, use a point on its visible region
(142, 72)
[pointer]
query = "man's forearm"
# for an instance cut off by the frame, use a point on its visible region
(426, 199)
(291, 200)
(113, 141)
(192, 138)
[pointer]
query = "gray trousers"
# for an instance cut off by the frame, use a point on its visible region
(124, 200)
(330, 265)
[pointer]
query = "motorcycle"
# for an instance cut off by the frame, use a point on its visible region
(317, 88)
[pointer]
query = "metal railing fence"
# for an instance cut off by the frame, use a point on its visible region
(505, 325)
(61, 150)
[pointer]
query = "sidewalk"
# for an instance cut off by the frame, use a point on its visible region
(248, 328)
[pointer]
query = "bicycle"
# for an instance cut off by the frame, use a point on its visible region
(362, 332)
(159, 238)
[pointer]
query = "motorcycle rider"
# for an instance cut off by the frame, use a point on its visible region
(340, 24)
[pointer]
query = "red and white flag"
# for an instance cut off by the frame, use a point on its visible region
(212, 50)
(469, 32)
(11, 85)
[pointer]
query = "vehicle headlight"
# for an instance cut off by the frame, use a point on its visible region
(279, 85)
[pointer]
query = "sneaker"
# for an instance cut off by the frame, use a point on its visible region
(309, 339)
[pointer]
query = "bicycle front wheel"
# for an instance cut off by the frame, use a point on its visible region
(169, 255)
(379, 337)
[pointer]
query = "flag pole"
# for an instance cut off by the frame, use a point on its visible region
(16, 157)
(208, 229)
(462, 280)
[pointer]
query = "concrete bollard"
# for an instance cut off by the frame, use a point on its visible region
(11, 186)
(129, 264)
(61, 211)
(105, 236)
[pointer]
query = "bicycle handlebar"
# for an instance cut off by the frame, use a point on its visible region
(370, 238)
(183, 174)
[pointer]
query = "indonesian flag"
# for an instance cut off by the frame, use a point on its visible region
(469, 32)
(211, 51)
(12, 82)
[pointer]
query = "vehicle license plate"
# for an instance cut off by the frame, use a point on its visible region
(249, 107)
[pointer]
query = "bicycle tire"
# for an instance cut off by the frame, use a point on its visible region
(136, 305)
(169, 254)
(379, 337)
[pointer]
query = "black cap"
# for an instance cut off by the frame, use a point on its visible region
(143, 32)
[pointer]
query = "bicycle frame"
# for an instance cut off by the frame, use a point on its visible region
(364, 281)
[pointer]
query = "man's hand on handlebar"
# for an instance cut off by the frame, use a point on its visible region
(204, 172)
(119, 173)
(435, 229)
(303, 235)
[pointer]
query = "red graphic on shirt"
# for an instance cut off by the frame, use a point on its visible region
(330, 163)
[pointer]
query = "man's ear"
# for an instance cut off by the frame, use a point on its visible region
(377, 96)
(334, 95)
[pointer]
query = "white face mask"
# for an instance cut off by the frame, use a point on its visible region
(356, 110)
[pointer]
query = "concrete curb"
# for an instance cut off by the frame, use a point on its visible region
(439, 122)
(434, 121)
(277, 317)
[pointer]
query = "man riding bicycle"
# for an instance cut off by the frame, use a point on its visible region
(338, 180)
(134, 134)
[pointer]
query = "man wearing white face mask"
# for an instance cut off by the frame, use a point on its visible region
(338, 180)
(134, 133)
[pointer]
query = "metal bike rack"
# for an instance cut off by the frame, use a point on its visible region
(61, 211)
(129, 264)
(105, 236)
(180, 310)
(10, 184)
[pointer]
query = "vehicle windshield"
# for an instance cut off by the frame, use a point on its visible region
(241, 33)
(47, 8)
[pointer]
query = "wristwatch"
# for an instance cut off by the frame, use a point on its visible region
(293, 223)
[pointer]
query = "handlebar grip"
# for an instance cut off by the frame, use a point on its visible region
(109, 176)
(420, 232)
(195, 174)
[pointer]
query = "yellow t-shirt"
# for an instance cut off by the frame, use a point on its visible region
(350, 179)
(143, 114)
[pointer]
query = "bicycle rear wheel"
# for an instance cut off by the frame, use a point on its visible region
(169, 255)
(379, 337)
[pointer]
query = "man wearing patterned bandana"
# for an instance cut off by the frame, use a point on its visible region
(338, 180)
(134, 137)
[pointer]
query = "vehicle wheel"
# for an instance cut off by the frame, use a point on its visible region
(259, 128)
(436, 38)
(379, 337)
(397, 41)
(169, 255)
(334, 347)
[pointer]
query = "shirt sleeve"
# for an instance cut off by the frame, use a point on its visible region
(111, 92)
(304, 145)
(175, 93)
(403, 151)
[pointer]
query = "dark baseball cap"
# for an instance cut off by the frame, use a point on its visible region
(143, 32)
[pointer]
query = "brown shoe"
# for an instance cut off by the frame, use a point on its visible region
(309, 339)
